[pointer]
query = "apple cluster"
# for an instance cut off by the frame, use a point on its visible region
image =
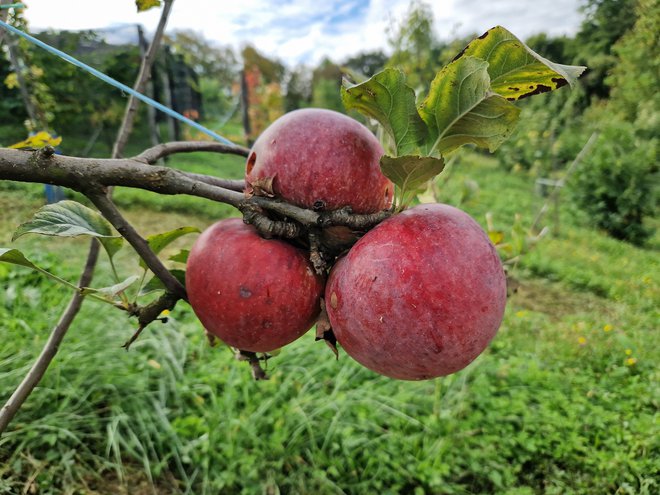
(418, 296)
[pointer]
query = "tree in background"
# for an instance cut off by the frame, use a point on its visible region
(366, 63)
(217, 69)
(326, 84)
(637, 99)
(604, 23)
(618, 184)
(263, 87)
(414, 44)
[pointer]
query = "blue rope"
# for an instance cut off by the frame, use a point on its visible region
(116, 84)
(13, 6)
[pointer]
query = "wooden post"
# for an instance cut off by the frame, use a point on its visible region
(245, 106)
(167, 94)
(154, 132)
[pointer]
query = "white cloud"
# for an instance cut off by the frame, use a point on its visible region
(307, 30)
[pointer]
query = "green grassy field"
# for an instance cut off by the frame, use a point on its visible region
(564, 401)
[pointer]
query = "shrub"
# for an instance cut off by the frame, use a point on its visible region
(615, 185)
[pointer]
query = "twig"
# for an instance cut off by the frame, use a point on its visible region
(40, 366)
(112, 214)
(231, 184)
(152, 155)
(150, 313)
(266, 226)
(258, 373)
(80, 173)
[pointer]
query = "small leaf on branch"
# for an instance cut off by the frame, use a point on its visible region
(410, 173)
(143, 5)
(155, 284)
(515, 70)
(16, 257)
(181, 256)
(111, 292)
(158, 242)
(37, 141)
(387, 98)
(71, 219)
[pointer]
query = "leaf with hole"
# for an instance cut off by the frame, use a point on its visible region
(516, 71)
(71, 219)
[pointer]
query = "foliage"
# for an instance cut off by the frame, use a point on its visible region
(366, 63)
(216, 67)
(636, 98)
(605, 22)
(617, 183)
(563, 402)
(414, 45)
(469, 101)
(326, 85)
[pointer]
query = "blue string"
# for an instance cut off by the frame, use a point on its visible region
(13, 6)
(116, 84)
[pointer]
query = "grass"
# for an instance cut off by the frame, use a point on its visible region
(564, 401)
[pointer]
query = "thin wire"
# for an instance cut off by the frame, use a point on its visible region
(116, 83)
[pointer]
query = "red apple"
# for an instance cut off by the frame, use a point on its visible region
(317, 158)
(419, 296)
(254, 294)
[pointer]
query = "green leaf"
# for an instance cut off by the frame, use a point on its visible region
(154, 284)
(111, 292)
(461, 109)
(487, 125)
(515, 70)
(158, 242)
(71, 219)
(387, 98)
(410, 173)
(143, 5)
(181, 256)
(16, 257)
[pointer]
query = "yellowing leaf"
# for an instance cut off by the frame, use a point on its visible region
(515, 70)
(496, 236)
(143, 5)
(11, 81)
(38, 140)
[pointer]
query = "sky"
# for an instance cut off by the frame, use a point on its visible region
(305, 31)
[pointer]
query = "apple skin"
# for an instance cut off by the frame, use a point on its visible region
(320, 159)
(254, 294)
(419, 296)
